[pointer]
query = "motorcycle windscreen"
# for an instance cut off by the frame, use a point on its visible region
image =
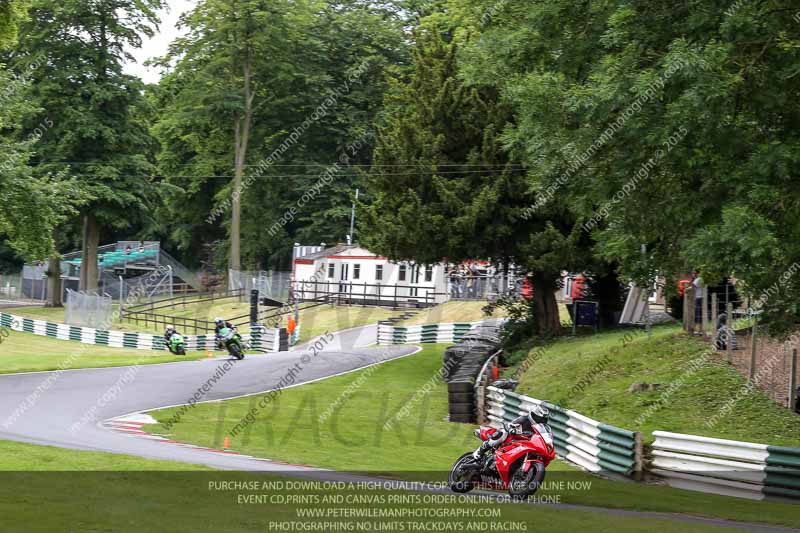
(545, 431)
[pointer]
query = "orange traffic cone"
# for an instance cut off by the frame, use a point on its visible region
(226, 444)
(209, 354)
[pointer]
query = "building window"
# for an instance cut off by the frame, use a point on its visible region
(378, 272)
(356, 271)
(401, 276)
(331, 270)
(429, 273)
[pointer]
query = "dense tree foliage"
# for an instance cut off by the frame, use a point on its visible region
(317, 81)
(627, 140)
(33, 204)
(88, 109)
(663, 125)
(11, 13)
(442, 185)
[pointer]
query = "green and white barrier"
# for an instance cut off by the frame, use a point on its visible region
(263, 340)
(728, 467)
(429, 333)
(592, 445)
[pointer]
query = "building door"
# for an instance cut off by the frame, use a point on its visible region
(344, 278)
(415, 280)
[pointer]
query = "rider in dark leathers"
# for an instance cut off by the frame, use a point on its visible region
(522, 425)
(221, 323)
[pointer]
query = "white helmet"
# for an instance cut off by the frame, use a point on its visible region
(539, 414)
(170, 328)
(219, 320)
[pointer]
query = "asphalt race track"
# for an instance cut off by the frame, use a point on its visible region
(64, 399)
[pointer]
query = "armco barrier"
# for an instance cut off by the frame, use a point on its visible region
(263, 340)
(428, 333)
(593, 446)
(732, 468)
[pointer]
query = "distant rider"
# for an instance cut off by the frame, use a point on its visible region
(220, 324)
(522, 425)
(169, 333)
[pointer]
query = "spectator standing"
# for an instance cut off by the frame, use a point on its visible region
(699, 295)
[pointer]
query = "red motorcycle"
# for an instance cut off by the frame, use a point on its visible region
(518, 460)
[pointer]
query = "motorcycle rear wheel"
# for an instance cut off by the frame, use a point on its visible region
(455, 479)
(523, 485)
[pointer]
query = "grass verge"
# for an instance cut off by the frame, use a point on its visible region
(23, 457)
(452, 311)
(199, 501)
(314, 320)
(594, 375)
(341, 423)
(329, 318)
(25, 352)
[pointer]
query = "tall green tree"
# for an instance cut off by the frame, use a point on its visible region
(12, 12)
(668, 126)
(319, 83)
(88, 106)
(234, 60)
(444, 187)
(32, 205)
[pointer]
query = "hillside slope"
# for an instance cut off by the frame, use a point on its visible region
(696, 392)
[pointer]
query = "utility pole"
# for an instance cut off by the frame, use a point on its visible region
(646, 297)
(351, 236)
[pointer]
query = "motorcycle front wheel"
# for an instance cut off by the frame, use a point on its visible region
(523, 484)
(460, 478)
(236, 351)
(181, 350)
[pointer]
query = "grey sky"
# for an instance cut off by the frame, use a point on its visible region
(158, 44)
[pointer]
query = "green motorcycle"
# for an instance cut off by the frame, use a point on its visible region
(232, 341)
(177, 344)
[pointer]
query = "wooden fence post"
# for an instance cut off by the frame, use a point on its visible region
(704, 312)
(638, 456)
(793, 381)
(685, 312)
(753, 347)
(729, 332)
(714, 319)
(689, 296)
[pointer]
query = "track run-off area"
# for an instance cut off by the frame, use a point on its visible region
(102, 409)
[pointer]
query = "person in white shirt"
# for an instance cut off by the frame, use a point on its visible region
(699, 293)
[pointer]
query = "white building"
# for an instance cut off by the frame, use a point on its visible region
(353, 274)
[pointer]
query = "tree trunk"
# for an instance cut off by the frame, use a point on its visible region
(91, 240)
(548, 322)
(242, 139)
(54, 278)
(608, 293)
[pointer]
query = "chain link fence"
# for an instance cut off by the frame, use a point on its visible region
(90, 310)
(270, 284)
(469, 287)
(154, 285)
(29, 286)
